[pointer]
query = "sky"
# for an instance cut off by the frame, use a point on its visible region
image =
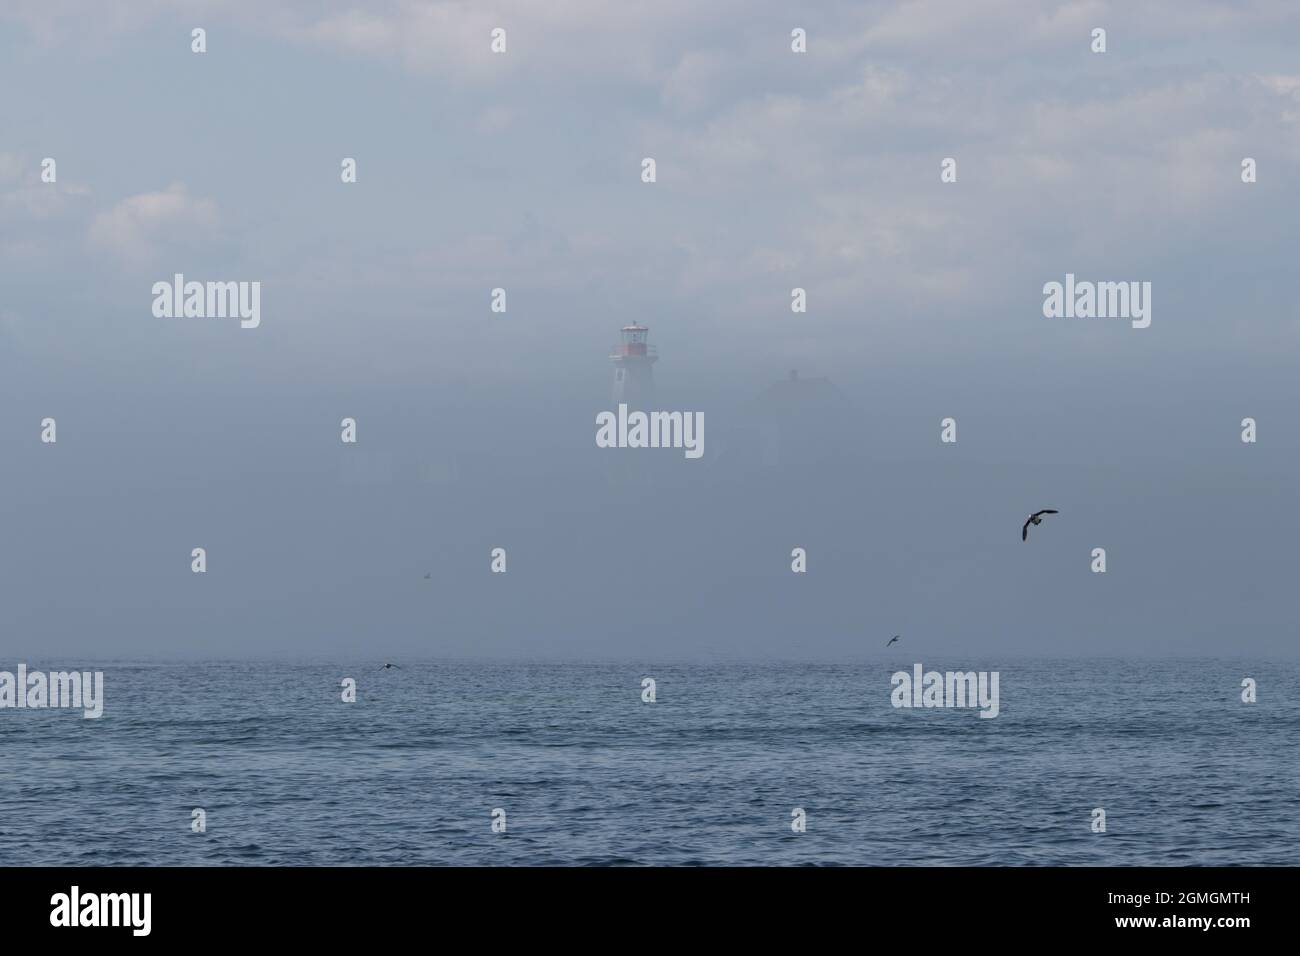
(522, 170)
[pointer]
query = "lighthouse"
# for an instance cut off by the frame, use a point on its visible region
(634, 383)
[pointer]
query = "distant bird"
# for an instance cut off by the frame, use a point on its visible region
(390, 667)
(892, 640)
(1035, 518)
(428, 576)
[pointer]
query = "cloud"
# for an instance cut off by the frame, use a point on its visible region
(11, 168)
(775, 169)
(135, 229)
(558, 42)
(35, 216)
(978, 32)
(90, 24)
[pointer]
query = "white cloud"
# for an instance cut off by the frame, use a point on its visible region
(135, 229)
(556, 40)
(775, 169)
(993, 29)
(11, 168)
(34, 214)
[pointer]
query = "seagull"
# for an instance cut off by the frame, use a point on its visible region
(1035, 518)
(892, 640)
(390, 667)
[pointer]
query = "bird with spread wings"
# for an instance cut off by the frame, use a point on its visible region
(1035, 518)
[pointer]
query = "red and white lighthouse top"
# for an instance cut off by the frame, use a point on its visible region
(634, 340)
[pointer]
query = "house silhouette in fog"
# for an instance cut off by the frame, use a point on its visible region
(802, 420)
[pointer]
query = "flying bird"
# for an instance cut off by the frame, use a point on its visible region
(1035, 518)
(892, 640)
(428, 576)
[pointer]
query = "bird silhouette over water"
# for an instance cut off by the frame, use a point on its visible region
(428, 576)
(390, 667)
(892, 640)
(1035, 518)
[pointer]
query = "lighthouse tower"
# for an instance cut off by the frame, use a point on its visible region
(634, 382)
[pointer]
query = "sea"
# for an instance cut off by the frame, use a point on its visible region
(509, 763)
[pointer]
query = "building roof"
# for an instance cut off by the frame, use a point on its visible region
(795, 394)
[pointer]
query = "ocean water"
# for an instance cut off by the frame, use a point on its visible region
(708, 774)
